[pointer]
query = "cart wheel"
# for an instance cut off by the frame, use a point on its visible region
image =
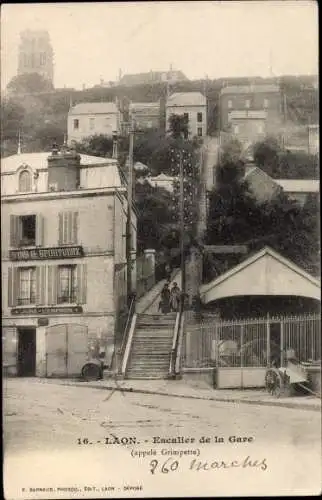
(91, 371)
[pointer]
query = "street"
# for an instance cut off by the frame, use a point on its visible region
(76, 436)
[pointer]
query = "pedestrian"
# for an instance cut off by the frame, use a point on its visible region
(164, 304)
(175, 295)
(168, 272)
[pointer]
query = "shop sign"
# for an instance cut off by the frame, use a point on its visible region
(47, 253)
(43, 321)
(23, 311)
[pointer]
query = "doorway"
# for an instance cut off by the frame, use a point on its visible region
(26, 352)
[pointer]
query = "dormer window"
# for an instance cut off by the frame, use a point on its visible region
(25, 183)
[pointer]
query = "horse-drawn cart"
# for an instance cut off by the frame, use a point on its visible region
(286, 380)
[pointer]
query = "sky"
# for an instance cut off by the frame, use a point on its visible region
(219, 39)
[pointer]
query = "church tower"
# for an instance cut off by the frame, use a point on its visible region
(36, 54)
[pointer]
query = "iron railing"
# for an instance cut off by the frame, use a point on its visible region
(127, 327)
(173, 354)
(251, 342)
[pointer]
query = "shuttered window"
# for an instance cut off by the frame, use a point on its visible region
(13, 285)
(67, 284)
(26, 286)
(67, 228)
(81, 283)
(41, 285)
(52, 285)
(26, 230)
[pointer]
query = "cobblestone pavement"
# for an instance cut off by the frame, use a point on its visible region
(44, 421)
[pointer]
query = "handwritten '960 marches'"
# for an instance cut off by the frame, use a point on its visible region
(171, 465)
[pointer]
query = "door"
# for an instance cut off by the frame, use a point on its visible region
(26, 352)
(56, 351)
(77, 349)
(66, 349)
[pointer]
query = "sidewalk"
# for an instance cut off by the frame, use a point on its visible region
(198, 390)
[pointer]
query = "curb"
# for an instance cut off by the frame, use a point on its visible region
(256, 402)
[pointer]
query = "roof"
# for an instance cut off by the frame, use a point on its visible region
(151, 77)
(186, 99)
(250, 89)
(144, 105)
(39, 161)
(299, 185)
(265, 273)
(93, 108)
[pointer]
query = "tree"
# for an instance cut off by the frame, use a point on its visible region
(32, 83)
(285, 164)
(96, 145)
(235, 217)
(155, 222)
(266, 154)
(12, 116)
(231, 152)
(179, 126)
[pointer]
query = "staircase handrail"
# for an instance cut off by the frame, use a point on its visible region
(127, 326)
(128, 345)
(179, 345)
(174, 345)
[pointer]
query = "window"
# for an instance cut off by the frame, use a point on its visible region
(247, 103)
(92, 123)
(27, 286)
(27, 230)
(199, 117)
(199, 131)
(266, 103)
(107, 122)
(25, 181)
(230, 104)
(186, 116)
(76, 124)
(235, 129)
(260, 128)
(67, 228)
(66, 284)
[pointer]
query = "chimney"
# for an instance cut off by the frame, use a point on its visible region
(63, 169)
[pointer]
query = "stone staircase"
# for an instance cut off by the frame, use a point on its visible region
(151, 346)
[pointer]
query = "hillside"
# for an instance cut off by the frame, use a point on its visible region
(42, 117)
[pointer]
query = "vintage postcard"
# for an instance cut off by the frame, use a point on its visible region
(161, 331)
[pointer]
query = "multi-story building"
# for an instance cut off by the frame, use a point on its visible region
(145, 114)
(192, 105)
(93, 118)
(251, 112)
(63, 258)
(152, 77)
(36, 54)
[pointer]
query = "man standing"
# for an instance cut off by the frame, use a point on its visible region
(175, 295)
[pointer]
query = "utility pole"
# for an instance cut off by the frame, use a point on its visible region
(129, 215)
(182, 231)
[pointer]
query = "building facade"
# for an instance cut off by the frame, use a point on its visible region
(152, 77)
(251, 112)
(145, 114)
(63, 260)
(36, 54)
(87, 119)
(193, 105)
